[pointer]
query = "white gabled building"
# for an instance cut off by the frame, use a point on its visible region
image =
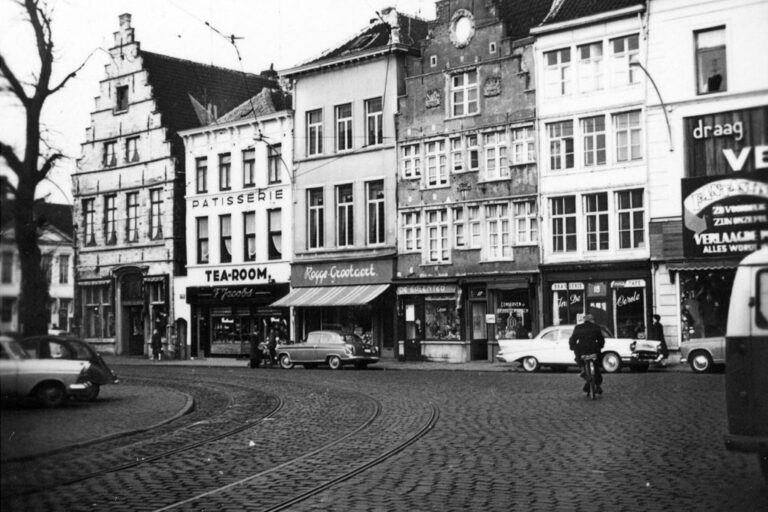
(239, 227)
(590, 103)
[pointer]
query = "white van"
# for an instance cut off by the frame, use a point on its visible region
(746, 356)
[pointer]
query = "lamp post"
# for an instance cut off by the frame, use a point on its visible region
(661, 101)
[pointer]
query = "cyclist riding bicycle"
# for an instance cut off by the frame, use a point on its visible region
(587, 338)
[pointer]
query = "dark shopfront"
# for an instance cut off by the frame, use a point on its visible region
(348, 296)
(617, 294)
(224, 318)
(459, 321)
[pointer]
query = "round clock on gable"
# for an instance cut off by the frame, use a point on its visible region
(462, 28)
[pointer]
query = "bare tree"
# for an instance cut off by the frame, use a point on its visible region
(32, 167)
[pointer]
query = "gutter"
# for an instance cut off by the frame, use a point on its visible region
(588, 20)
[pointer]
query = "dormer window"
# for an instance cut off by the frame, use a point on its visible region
(121, 103)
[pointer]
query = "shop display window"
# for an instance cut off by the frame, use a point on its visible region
(513, 314)
(567, 303)
(441, 319)
(630, 316)
(704, 301)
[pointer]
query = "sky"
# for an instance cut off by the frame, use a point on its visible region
(282, 33)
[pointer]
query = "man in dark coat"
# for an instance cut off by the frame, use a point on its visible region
(656, 332)
(587, 338)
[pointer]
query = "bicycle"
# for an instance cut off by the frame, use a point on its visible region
(589, 374)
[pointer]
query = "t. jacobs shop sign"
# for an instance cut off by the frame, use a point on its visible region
(725, 196)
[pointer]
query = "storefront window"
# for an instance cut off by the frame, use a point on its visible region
(704, 302)
(440, 318)
(567, 303)
(513, 314)
(98, 318)
(230, 330)
(629, 302)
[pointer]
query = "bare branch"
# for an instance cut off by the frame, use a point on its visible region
(72, 74)
(16, 86)
(47, 166)
(14, 163)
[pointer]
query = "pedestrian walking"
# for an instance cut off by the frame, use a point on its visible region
(656, 332)
(255, 353)
(157, 345)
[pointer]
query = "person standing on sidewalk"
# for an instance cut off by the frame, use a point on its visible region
(157, 345)
(587, 338)
(656, 332)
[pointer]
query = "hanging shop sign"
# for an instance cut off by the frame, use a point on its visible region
(342, 273)
(724, 216)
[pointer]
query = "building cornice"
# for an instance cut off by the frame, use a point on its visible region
(348, 59)
(587, 20)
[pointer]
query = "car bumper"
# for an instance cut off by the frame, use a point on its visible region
(80, 388)
(643, 357)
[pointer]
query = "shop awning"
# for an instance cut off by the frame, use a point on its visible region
(713, 264)
(332, 296)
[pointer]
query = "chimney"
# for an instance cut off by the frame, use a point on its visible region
(389, 15)
(125, 34)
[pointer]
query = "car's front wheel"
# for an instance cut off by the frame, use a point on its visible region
(92, 394)
(285, 362)
(531, 364)
(334, 362)
(611, 362)
(51, 394)
(700, 362)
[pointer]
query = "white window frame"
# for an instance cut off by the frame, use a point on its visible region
(593, 141)
(345, 234)
(590, 66)
(629, 126)
(495, 155)
(343, 127)
(225, 171)
(523, 145)
(374, 120)
(436, 164)
(437, 250)
(630, 214)
(622, 72)
(459, 228)
(557, 72)
(473, 151)
(156, 213)
(526, 217)
(411, 161)
(498, 241)
(561, 218)
(465, 93)
(249, 236)
(316, 218)
(557, 143)
(457, 154)
(89, 219)
(110, 219)
(249, 167)
(411, 231)
(376, 213)
(314, 132)
(710, 46)
(475, 227)
(132, 217)
(203, 240)
(601, 228)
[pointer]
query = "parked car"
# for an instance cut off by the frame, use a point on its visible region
(50, 381)
(550, 347)
(61, 347)
(334, 348)
(702, 354)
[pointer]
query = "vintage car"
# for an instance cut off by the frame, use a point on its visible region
(550, 348)
(334, 348)
(67, 347)
(702, 354)
(50, 381)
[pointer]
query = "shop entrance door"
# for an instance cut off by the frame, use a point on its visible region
(135, 331)
(478, 349)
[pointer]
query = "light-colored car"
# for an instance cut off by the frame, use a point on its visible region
(550, 347)
(50, 381)
(702, 354)
(333, 348)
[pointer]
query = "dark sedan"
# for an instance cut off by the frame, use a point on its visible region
(65, 347)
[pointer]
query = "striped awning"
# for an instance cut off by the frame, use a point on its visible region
(332, 296)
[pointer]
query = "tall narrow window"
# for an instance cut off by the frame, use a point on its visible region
(110, 154)
(63, 268)
(526, 222)
(345, 219)
(89, 212)
(121, 98)
(711, 71)
(464, 94)
(373, 122)
(473, 219)
(593, 130)
(201, 175)
(275, 163)
(628, 132)
(249, 236)
(314, 132)
(249, 168)
(275, 230)
(560, 145)
(225, 238)
(156, 214)
(457, 154)
(523, 146)
(625, 51)
(46, 265)
(563, 211)
(437, 172)
(202, 239)
(497, 228)
(411, 161)
(557, 72)
(344, 127)
(473, 152)
(495, 147)
(132, 149)
(596, 214)
(631, 219)
(437, 236)
(7, 268)
(132, 217)
(412, 231)
(225, 171)
(376, 221)
(315, 220)
(590, 67)
(459, 228)
(110, 222)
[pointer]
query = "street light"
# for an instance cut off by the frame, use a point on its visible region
(661, 101)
